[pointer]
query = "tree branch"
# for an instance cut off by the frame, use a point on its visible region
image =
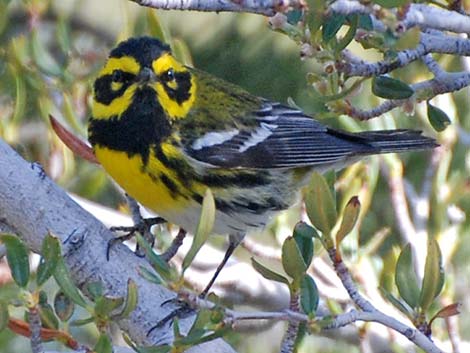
(32, 205)
(261, 7)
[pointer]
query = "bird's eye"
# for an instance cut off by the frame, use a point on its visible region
(170, 75)
(117, 76)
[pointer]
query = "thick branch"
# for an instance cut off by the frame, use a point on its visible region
(422, 15)
(33, 205)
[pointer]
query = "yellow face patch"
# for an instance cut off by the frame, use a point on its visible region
(172, 108)
(118, 106)
(124, 63)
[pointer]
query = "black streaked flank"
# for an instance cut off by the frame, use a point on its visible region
(170, 185)
(144, 49)
(142, 125)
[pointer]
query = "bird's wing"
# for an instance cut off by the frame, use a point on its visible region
(282, 137)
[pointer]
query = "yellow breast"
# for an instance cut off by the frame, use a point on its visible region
(141, 184)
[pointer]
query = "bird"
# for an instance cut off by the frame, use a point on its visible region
(166, 132)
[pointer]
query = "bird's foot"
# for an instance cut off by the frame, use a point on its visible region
(143, 227)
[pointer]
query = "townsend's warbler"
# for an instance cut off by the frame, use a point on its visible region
(166, 132)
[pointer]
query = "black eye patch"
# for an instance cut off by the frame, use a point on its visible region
(121, 76)
(104, 93)
(168, 76)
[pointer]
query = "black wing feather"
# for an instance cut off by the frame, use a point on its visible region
(292, 139)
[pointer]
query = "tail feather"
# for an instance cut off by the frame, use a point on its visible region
(389, 141)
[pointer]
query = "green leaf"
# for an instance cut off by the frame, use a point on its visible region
(331, 26)
(131, 300)
(155, 29)
(43, 59)
(95, 289)
(292, 260)
(82, 322)
(303, 235)
(433, 279)
(267, 273)
(204, 228)
(320, 204)
(4, 315)
(309, 296)
(63, 306)
(350, 217)
(437, 118)
(181, 52)
(365, 22)
(50, 254)
(396, 303)
(17, 257)
(155, 260)
(350, 34)
(62, 277)
(104, 306)
(20, 99)
(390, 4)
(150, 276)
(48, 317)
(405, 278)
(390, 88)
(164, 348)
(104, 344)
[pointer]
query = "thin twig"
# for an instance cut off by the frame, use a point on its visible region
(448, 82)
(429, 43)
(288, 342)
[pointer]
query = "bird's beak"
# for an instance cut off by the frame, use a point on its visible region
(146, 75)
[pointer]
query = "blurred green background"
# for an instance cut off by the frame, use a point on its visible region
(50, 52)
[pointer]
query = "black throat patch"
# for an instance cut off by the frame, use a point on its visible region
(140, 127)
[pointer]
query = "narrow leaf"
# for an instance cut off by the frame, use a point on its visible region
(437, 118)
(204, 228)
(17, 257)
(155, 260)
(62, 277)
(405, 278)
(396, 303)
(131, 299)
(48, 317)
(292, 260)
(390, 88)
(150, 276)
(350, 216)
(104, 344)
(267, 273)
(331, 26)
(433, 279)
(320, 204)
(309, 296)
(43, 59)
(50, 253)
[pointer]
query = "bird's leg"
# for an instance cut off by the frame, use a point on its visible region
(174, 246)
(234, 241)
(141, 225)
(184, 308)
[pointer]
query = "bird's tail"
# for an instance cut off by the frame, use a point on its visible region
(389, 141)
